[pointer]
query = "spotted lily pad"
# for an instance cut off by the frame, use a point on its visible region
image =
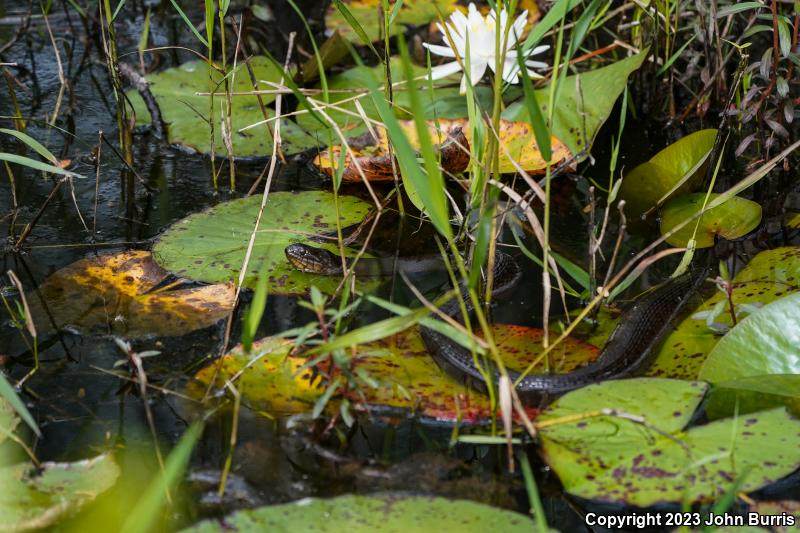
(366, 12)
(408, 379)
(119, 294)
(388, 513)
(769, 276)
(731, 220)
(454, 138)
(620, 461)
(584, 103)
(210, 246)
(671, 171)
(187, 114)
(34, 498)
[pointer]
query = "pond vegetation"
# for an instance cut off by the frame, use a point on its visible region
(397, 264)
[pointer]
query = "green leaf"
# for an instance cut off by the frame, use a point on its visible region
(34, 498)
(763, 343)
(356, 26)
(186, 112)
(738, 8)
(673, 170)
(254, 313)
(388, 513)
(584, 103)
(210, 246)
(619, 461)
(733, 219)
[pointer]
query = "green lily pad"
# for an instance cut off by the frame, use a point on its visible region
(412, 13)
(408, 379)
(754, 393)
(187, 114)
(584, 103)
(769, 276)
(388, 513)
(617, 460)
(731, 220)
(669, 171)
(210, 246)
(443, 102)
(765, 342)
(32, 498)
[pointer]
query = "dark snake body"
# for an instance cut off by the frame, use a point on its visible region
(629, 350)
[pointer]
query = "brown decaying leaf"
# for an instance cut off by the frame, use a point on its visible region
(452, 136)
(115, 294)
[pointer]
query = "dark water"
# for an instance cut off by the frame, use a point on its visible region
(83, 410)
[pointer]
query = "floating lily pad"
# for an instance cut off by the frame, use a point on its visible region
(408, 378)
(454, 138)
(388, 513)
(116, 295)
(672, 170)
(187, 114)
(754, 393)
(769, 276)
(32, 498)
(584, 103)
(366, 12)
(210, 246)
(350, 94)
(731, 220)
(617, 460)
(765, 342)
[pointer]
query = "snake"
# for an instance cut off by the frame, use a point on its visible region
(630, 349)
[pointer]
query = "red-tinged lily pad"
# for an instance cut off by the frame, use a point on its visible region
(118, 294)
(671, 171)
(621, 460)
(770, 275)
(407, 378)
(733, 219)
(453, 136)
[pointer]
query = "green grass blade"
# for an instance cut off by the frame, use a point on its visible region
(540, 129)
(147, 509)
(356, 26)
(255, 313)
(8, 394)
(33, 144)
(189, 23)
(37, 165)
(556, 13)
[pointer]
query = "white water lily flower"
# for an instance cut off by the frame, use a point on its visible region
(480, 32)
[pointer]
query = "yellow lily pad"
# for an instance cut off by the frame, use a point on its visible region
(116, 295)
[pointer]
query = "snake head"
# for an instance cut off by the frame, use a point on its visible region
(313, 260)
